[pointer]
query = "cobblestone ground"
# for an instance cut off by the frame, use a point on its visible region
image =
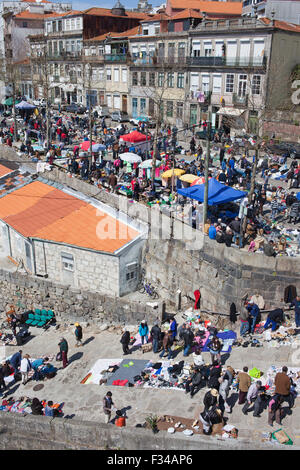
(85, 401)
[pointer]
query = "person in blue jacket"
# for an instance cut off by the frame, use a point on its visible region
(254, 313)
(144, 331)
(173, 328)
(15, 360)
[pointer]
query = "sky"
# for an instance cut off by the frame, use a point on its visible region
(84, 4)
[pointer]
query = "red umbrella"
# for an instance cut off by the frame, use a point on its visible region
(86, 145)
(134, 137)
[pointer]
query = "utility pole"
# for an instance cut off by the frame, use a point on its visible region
(207, 158)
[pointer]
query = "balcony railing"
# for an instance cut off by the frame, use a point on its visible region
(115, 57)
(199, 61)
(227, 61)
(158, 60)
(201, 97)
(239, 100)
(73, 79)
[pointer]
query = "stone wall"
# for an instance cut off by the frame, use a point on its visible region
(70, 304)
(19, 432)
(222, 274)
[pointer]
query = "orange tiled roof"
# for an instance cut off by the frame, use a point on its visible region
(107, 12)
(33, 16)
(157, 17)
(38, 210)
(228, 8)
(187, 13)
(130, 32)
(282, 25)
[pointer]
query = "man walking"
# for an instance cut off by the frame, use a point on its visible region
(63, 348)
(244, 381)
(254, 313)
(78, 334)
(107, 406)
(253, 396)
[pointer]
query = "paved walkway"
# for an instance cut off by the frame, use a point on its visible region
(85, 401)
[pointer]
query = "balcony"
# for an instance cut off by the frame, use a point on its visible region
(64, 55)
(203, 98)
(227, 61)
(115, 58)
(158, 61)
(239, 100)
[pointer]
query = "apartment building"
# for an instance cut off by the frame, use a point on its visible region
(76, 76)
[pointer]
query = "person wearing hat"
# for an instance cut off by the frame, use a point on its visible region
(78, 334)
(210, 398)
(144, 331)
(63, 349)
(107, 406)
(208, 417)
(254, 396)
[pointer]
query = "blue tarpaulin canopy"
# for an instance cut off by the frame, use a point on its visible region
(25, 105)
(218, 193)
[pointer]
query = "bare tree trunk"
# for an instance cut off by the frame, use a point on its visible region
(14, 112)
(207, 157)
(253, 175)
(154, 155)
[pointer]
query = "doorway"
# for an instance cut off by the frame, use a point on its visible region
(124, 103)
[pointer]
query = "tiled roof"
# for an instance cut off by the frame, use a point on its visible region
(228, 8)
(157, 17)
(130, 32)
(107, 12)
(39, 210)
(33, 16)
(187, 13)
(282, 25)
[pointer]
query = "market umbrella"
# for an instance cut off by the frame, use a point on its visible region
(218, 193)
(148, 164)
(98, 147)
(170, 173)
(188, 178)
(25, 105)
(200, 180)
(85, 145)
(134, 137)
(9, 101)
(130, 157)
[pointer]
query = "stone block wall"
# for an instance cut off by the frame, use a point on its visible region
(70, 304)
(27, 432)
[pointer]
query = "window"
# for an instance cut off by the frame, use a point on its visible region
(108, 74)
(205, 82)
(179, 110)
(78, 23)
(152, 79)
(170, 79)
(169, 108)
(229, 82)
(207, 48)
(156, 30)
(131, 271)
(116, 75)
(242, 85)
(196, 48)
(143, 79)
(134, 78)
(101, 75)
(67, 261)
(142, 105)
(161, 79)
(124, 75)
(24, 24)
(145, 32)
(256, 81)
(181, 49)
(180, 80)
